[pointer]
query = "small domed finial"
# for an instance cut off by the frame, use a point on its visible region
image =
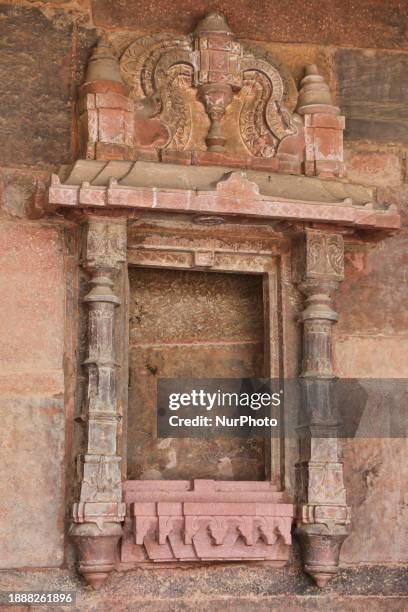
(213, 23)
(311, 69)
(103, 65)
(315, 93)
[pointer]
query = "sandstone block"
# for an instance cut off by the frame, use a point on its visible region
(373, 94)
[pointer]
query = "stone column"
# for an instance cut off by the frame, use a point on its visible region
(98, 514)
(322, 512)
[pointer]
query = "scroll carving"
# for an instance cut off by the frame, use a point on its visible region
(207, 98)
(210, 61)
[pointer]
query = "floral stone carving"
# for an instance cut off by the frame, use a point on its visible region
(206, 99)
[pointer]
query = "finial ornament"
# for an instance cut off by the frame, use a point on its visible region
(219, 72)
(208, 98)
(103, 64)
(315, 93)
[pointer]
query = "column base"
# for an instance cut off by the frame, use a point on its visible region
(320, 547)
(97, 550)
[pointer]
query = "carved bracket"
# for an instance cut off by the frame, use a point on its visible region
(205, 520)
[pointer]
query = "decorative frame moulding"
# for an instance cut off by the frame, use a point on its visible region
(204, 129)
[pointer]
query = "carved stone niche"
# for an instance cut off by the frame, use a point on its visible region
(209, 100)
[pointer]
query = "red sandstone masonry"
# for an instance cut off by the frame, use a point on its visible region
(215, 203)
(361, 310)
(245, 520)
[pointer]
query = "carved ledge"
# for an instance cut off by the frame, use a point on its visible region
(143, 186)
(205, 520)
(236, 184)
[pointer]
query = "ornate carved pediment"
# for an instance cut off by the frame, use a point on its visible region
(217, 70)
(206, 99)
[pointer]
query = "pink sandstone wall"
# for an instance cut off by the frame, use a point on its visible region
(44, 47)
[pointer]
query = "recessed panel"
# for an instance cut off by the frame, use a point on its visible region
(191, 325)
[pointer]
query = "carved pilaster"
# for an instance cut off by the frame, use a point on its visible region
(98, 514)
(322, 512)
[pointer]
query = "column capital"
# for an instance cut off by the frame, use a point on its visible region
(105, 243)
(318, 257)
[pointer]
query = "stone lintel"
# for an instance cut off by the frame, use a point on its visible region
(222, 193)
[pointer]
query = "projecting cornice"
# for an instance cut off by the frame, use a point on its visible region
(171, 188)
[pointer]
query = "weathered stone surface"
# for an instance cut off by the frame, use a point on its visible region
(22, 192)
(297, 57)
(35, 57)
(215, 330)
(371, 356)
(397, 194)
(371, 295)
(379, 502)
(338, 23)
(31, 386)
(217, 307)
(373, 167)
(214, 588)
(262, 604)
(372, 92)
(39, 61)
(32, 304)
(86, 37)
(32, 476)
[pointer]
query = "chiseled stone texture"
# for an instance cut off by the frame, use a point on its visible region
(32, 304)
(31, 482)
(31, 395)
(371, 341)
(217, 331)
(296, 57)
(376, 481)
(225, 588)
(372, 93)
(311, 21)
(37, 55)
(370, 298)
(22, 192)
(373, 167)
